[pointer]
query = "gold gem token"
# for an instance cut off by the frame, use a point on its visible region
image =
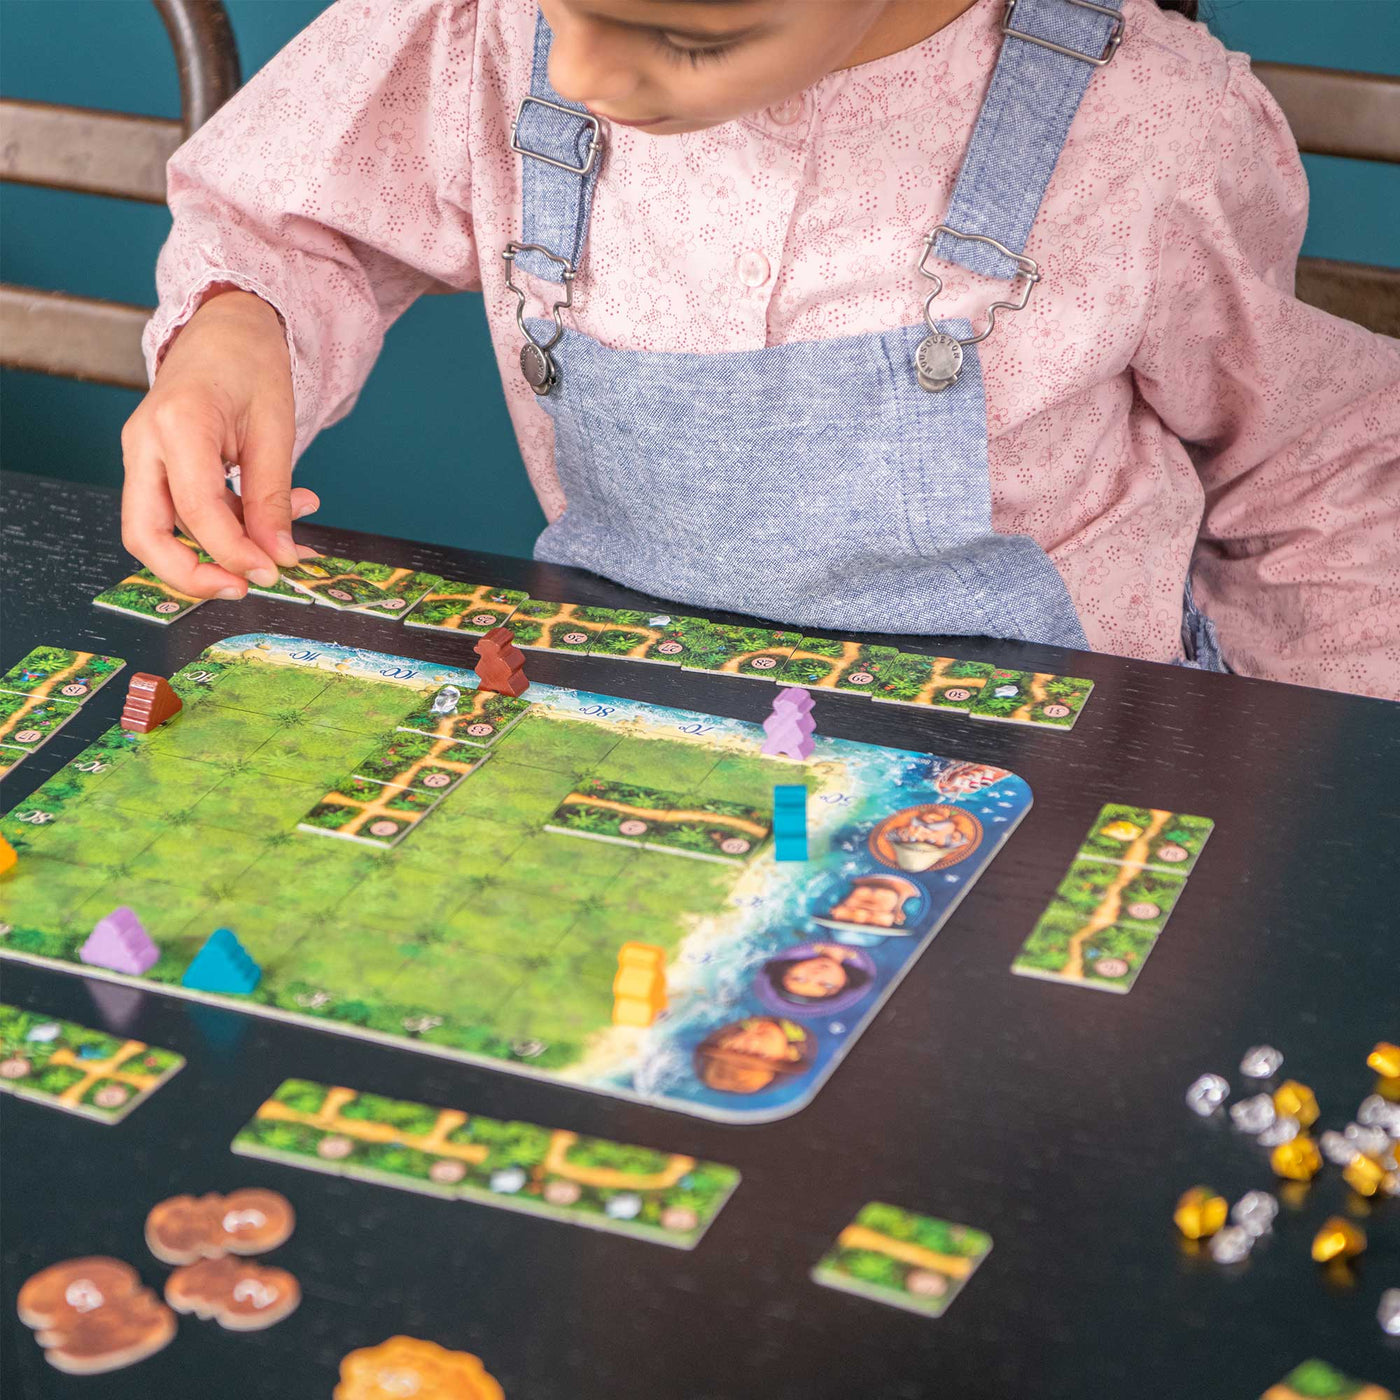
(1294, 1100)
(407, 1368)
(1364, 1174)
(1385, 1060)
(1200, 1212)
(1298, 1160)
(1338, 1239)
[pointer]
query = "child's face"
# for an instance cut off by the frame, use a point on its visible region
(815, 977)
(670, 66)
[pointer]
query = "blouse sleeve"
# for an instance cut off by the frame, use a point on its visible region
(1292, 417)
(334, 185)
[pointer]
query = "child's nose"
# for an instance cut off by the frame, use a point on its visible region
(585, 68)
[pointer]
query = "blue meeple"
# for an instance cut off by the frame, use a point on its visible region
(790, 821)
(222, 965)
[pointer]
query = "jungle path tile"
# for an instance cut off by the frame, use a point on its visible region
(334, 582)
(401, 588)
(369, 813)
(409, 760)
(1031, 697)
(480, 719)
(542, 626)
(637, 635)
(910, 1261)
(29, 721)
(142, 594)
(283, 592)
(60, 673)
(1167, 841)
(662, 1197)
(69, 1067)
(473, 608)
(711, 829)
(817, 663)
(939, 682)
(865, 673)
(759, 653)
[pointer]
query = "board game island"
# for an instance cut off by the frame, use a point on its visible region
(460, 876)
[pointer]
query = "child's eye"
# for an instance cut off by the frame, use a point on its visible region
(681, 53)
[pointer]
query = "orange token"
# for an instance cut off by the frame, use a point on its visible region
(409, 1366)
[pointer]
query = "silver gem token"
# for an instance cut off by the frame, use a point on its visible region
(1230, 1245)
(1260, 1062)
(938, 362)
(1207, 1094)
(538, 368)
(1253, 1115)
(1282, 1129)
(1255, 1212)
(1388, 1314)
(1337, 1149)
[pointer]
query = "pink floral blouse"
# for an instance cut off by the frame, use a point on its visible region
(1163, 392)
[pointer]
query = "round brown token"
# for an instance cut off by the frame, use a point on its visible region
(241, 1295)
(117, 1334)
(259, 1297)
(185, 1228)
(255, 1220)
(58, 1296)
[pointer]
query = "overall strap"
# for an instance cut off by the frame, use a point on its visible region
(1050, 51)
(561, 143)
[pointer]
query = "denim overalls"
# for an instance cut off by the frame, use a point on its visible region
(836, 483)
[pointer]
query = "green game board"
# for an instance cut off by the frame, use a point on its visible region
(441, 900)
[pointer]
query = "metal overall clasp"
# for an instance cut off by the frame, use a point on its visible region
(536, 363)
(938, 360)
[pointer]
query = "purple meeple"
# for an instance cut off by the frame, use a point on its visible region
(789, 728)
(793, 697)
(119, 943)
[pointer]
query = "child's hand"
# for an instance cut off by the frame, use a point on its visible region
(223, 394)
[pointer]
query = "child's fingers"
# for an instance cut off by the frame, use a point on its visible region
(304, 502)
(266, 491)
(148, 517)
(202, 503)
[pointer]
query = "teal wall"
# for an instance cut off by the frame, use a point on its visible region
(432, 412)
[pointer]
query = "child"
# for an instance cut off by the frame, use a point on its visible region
(848, 314)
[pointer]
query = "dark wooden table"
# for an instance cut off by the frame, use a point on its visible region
(1048, 1115)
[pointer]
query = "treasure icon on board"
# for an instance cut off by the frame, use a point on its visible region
(876, 904)
(930, 837)
(746, 1056)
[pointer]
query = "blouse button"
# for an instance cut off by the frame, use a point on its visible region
(752, 269)
(787, 111)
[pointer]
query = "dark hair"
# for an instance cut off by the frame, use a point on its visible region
(775, 969)
(1182, 7)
